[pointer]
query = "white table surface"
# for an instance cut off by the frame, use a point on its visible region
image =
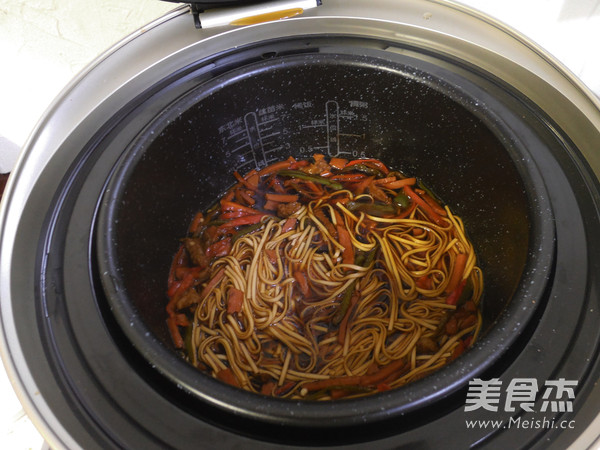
(45, 43)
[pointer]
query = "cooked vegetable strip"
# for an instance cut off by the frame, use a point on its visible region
(346, 242)
(314, 178)
(428, 210)
(282, 198)
(363, 380)
(457, 272)
(370, 162)
(338, 163)
(321, 279)
(276, 167)
(248, 184)
(396, 184)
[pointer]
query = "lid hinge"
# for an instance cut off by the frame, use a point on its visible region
(250, 14)
(195, 9)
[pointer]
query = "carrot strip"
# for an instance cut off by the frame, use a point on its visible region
(173, 287)
(276, 167)
(227, 376)
(213, 282)
(270, 182)
(338, 163)
(235, 299)
(177, 262)
(233, 206)
(458, 350)
(357, 380)
(174, 331)
(182, 320)
(302, 282)
(313, 187)
(382, 387)
(396, 184)
(272, 255)
(247, 197)
(219, 248)
(179, 287)
(346, 242)
(271, 205)
(377, 193)
(228, 196)
(381, 181)
(289, 224)
(282, 198)
(351, 380)
(427, 209)
(336, 394)
(267, 388)
(468, 341)
(234, 214)
(359, 188)
(424, 282)
(452, 299)
(244, 181)
(457, 272)
(336, 200)
(467, 322)
(277, 186)
(383, 373)
(198, 219)
(298, 164)
(436, 207)
(187, 282)
(233, 223)
(338, 218)
(252, 178)
(319, 214)
(283, 389)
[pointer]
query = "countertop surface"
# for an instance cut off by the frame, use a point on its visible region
(45, 43)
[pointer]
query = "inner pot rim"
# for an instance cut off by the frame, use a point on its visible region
(360, 410)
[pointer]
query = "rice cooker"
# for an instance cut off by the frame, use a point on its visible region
(150, 133)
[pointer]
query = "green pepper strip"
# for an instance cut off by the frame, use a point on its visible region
(401, 200)
(246, 230)
(215, 223)
(351, 389)
(364, 260)
(363, 168)
(189, 348)
(373, 209)
(308, 177)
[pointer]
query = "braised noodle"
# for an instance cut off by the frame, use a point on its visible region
(324, 279)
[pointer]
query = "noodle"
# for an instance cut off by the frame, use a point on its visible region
(320, 280)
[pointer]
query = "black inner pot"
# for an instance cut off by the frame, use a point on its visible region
(431, 120)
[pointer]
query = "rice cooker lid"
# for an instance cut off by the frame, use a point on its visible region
(203, 6)
(211, 13)
(129, 405)
(216, 3)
